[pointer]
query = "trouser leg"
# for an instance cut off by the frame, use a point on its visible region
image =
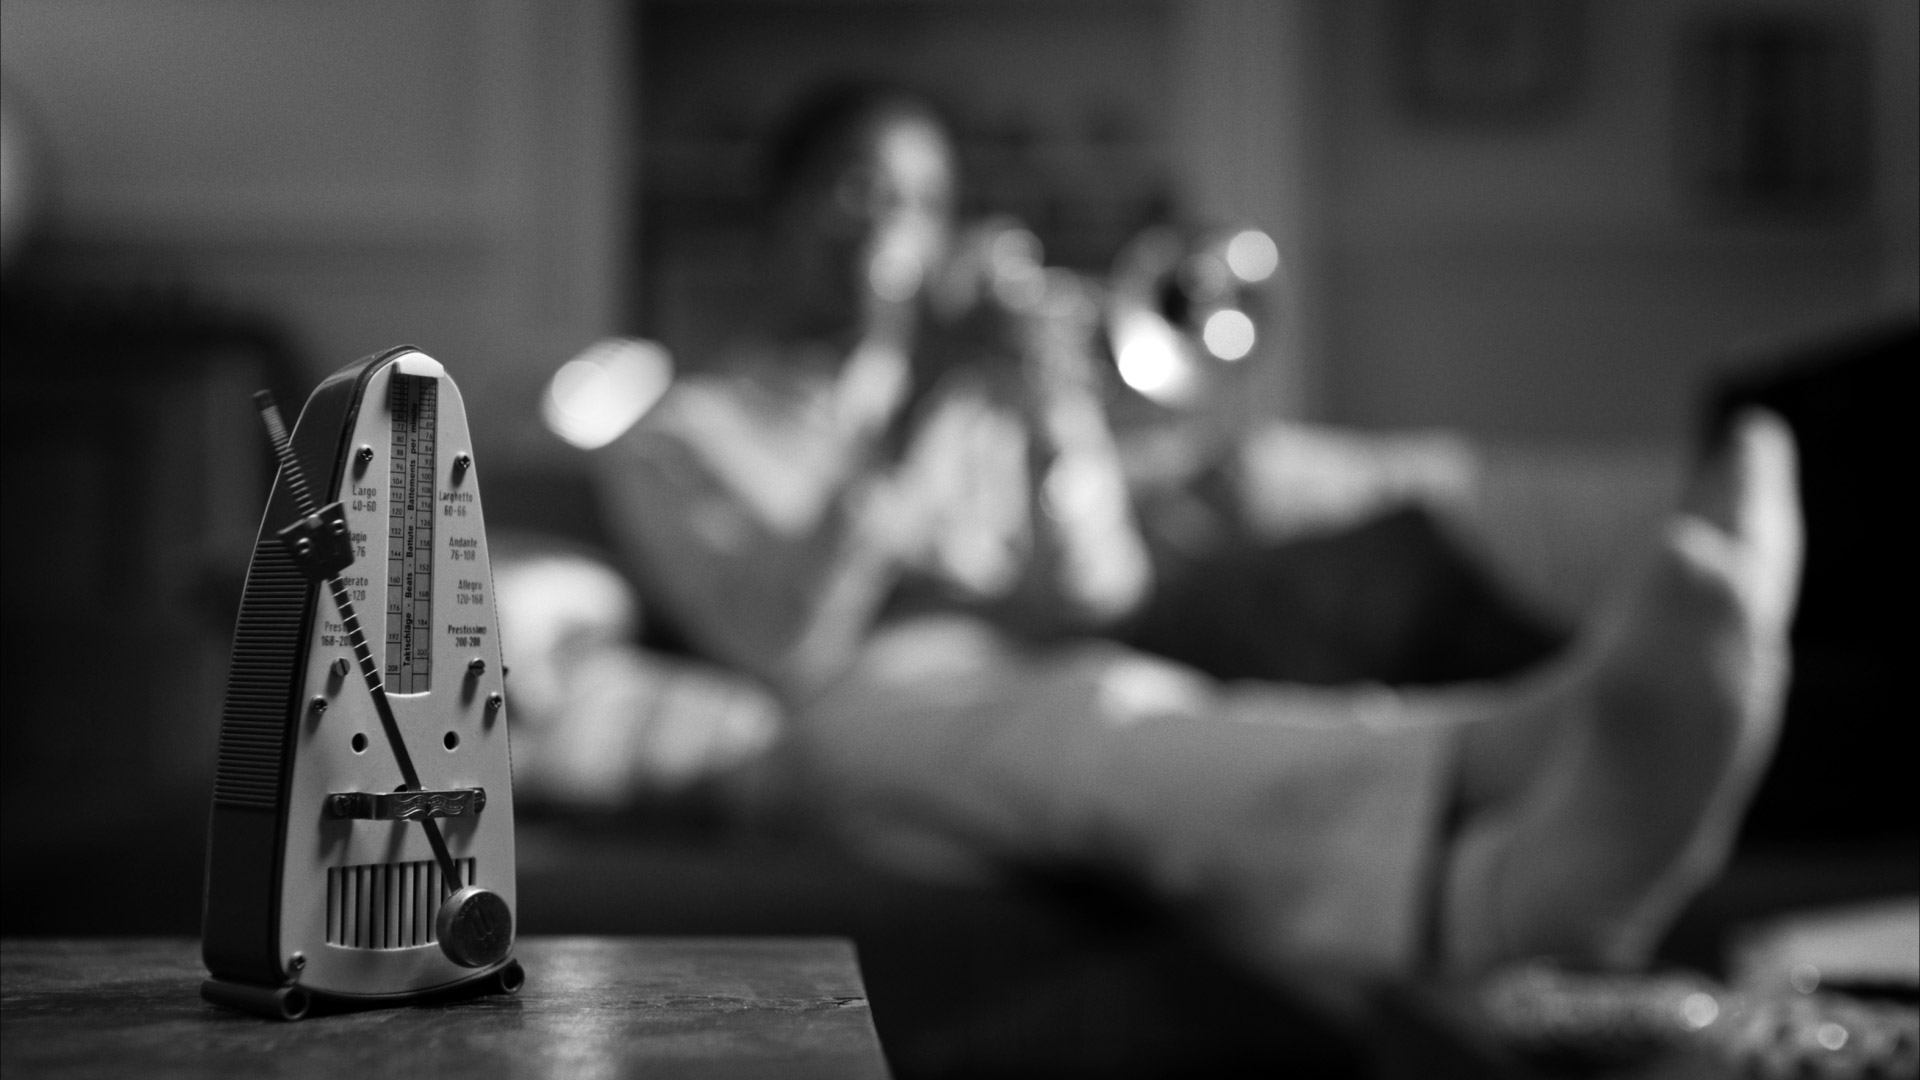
(1301, 823)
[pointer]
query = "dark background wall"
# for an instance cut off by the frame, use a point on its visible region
(468, 175)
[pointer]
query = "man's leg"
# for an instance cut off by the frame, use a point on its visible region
(1305, 823)
(1294, 821)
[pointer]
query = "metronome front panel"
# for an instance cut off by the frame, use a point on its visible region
(358, 888)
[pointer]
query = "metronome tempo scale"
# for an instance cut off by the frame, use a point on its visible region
(360, 851)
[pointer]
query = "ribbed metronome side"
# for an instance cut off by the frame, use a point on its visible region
(266, 647)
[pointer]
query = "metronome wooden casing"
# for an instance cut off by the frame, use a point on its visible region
(322, 883)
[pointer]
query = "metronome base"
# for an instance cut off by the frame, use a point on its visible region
(295, 1002)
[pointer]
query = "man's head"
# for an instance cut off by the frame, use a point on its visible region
(860, 191)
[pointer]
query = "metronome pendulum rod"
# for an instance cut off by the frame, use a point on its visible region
(378, 689)
(303, 501)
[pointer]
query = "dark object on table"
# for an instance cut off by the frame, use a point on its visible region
(1538, 1021)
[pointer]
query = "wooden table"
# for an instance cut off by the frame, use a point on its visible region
(591, 1007)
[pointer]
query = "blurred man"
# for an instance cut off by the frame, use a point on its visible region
(896, 503)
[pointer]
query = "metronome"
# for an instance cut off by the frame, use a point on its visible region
(360, 849)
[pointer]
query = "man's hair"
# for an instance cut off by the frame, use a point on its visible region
(825, 121)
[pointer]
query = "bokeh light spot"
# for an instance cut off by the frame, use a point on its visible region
(1228, 334)
(1152, 361)
(1252, 256)
(1698, 1010)
(596, 396)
